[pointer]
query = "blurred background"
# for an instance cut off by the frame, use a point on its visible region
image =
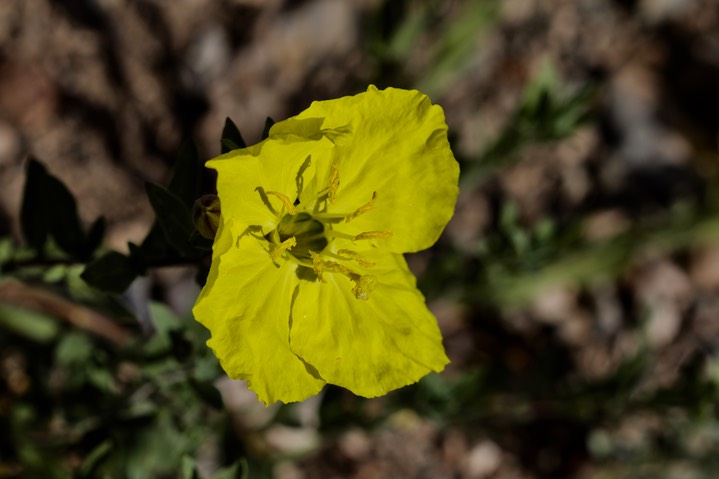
(577, 286)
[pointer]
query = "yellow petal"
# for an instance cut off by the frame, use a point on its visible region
(396, 145)
(245, 176)
(369, 346)
(246, 306)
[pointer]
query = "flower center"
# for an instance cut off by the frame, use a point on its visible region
(304, 237)
(309, 235)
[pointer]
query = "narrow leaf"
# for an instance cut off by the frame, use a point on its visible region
(231, 137)
(189, 469)
(49, 208)
(154, 246)
(174, 218)
(94, 459)
(136, 255)
(187, 173)
(238, 470)
(268, 124)
(94, 236)
(33, 217)
(65, 224)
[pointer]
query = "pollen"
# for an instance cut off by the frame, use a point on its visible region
(285, 201)
(362, 209)
(286, 245)
(372, 235)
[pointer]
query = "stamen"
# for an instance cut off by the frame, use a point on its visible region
(286, 245)
(299, 179)
(285, 201)
(317, 265)
(364, 284)
(334, 182)
(372, 235)
(361, 260)
(362, 209)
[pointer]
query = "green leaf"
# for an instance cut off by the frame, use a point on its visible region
(189, 469)
(30, 324)
(208, 393)
(163, 321)
(61, 209)
(155, 246)
(231, 137)
(238, 470)
(111, 272)
(101, 378)
(136, 255)
(187, 173)
(408, 32)
(541, 90)
(55, 273)
(156, 449)
(174, 218)
(94, 458)
(49, 209)
(95, 236)
(33, 217)
(7, 249)
(73, 348)
(186, 186)
(266, 130)
(163, 318)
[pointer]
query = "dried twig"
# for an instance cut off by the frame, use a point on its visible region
(20, 294)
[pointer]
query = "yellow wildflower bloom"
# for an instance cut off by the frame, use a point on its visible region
(308, 284)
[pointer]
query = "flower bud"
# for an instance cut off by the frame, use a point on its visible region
(206, 215)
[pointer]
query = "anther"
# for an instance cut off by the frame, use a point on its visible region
(285, 201)
(353, 255)
(334, 182)
(317, 265)
(372, 235)
(332, 267)
(286, 245)
(362, 209)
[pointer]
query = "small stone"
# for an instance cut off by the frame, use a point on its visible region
(355, 444)
(483, 460)
(292, 440)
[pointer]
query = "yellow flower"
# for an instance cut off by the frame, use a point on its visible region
(308, 284)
